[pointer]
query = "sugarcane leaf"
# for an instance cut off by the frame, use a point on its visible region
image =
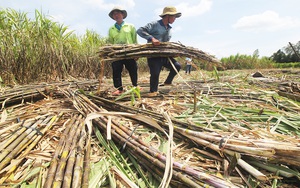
(3, 116)
(128, 92)
(114, 153)
(233, 162)
(216, 73)
(163, 146)
(137, 91)
(138, 117)
(132, 99)
(145, 182)
(30, 174)
(122, 177)
(80, 91)
(281, 170)
(275, 181)
(112, 181)
(149, 138)
(98, 173)
(126, 169)
(33, 184)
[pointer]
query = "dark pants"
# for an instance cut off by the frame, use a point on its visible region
(117, 67)
(188, 69)
(155, 66)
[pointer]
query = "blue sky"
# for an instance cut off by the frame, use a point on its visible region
(219, 27)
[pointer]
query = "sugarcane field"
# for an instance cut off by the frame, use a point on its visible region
(229, 123)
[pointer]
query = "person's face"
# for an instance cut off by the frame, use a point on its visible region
(172, 19)
(118, 16)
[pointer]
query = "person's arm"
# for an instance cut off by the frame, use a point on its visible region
(144, 32)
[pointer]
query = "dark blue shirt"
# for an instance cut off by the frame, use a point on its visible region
(157, 30)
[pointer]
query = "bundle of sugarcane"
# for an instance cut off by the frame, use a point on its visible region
(275, 153)
(28, 139)
(69, 166)
(165, 49)
(39, 91)
(17, 144)
(142, 151)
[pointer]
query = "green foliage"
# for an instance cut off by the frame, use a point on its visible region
(132, 91)
(287, 54)
(288, 65)
(247, 61)
(216, 73)
(41, 50)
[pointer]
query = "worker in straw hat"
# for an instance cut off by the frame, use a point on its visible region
(122, 33)
(156, 32)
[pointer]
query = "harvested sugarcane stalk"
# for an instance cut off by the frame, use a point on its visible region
(21, 142)
(147, 152)
(54, 162)
(165, 49)
(196, 145)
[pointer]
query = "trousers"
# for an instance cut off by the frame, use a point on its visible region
(156, 64)
(117, 67)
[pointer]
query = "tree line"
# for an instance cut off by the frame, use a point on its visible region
(287, 54)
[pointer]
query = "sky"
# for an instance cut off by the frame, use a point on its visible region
(218, 27)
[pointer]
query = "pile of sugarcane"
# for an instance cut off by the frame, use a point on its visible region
(202, 156)
(290, 90)
(271, 152)
(70, 163)
(18, 140)
(165, 49)
(143, 152)
(39, 91)
(33, 150)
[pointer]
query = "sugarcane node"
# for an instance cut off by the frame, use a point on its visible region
(35, 129)
(222, 141)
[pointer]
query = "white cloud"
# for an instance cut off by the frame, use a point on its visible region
(267, 21)
(189, 10)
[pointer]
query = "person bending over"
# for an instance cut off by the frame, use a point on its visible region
(156, 32)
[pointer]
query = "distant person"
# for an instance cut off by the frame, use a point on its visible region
(156, 32)
(188, 62)
(122, 33)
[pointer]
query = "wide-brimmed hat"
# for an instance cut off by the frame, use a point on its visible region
(170, 11)
(118, 8)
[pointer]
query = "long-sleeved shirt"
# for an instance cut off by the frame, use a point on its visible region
(126, 34)
(157, 30)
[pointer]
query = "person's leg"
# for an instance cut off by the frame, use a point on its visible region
(172, 72)
(189, 69)
(131, 66)
(155, 65)
(117, 68)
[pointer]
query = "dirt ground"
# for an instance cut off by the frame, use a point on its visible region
(267, 79)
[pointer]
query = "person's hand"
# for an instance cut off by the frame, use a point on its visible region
(155, 42)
